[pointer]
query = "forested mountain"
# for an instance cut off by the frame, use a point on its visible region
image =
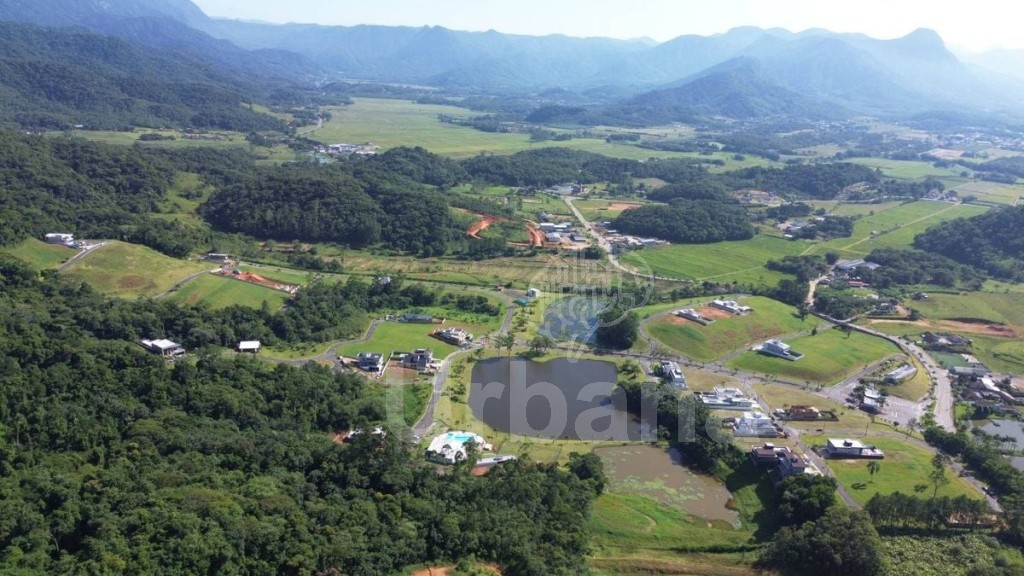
(738, 74)
(61, 78)
(113, 463)
(991, 241)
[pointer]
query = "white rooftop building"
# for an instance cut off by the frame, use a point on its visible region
(450, 447)
(163, 347)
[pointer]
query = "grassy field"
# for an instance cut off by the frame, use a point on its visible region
(706, 343)
(39, 255)
(598, 209)
(391, 123)
(1001, 308)
(177, 206)
(130, 270)
(896, 226)
(999, 354)
(723, 262)
(859, 209)
(904, 469)
(829, 357)
(221, 292)
(391, 336)
(908, 169)
(961, 554)
(993, 192)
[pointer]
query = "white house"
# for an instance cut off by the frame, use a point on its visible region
(450, 447)
(673, 374)
(775, 347)
(163, 347)
(532, 293)
(731, 306)
(251, 346)
(902, 373)
(847, 448)
(60, 238)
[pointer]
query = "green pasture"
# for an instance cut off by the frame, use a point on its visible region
(829, 356)
(992, 307)
(908, 169)
(723, 262)
(130, 270)
(220, 292)
(707, 343)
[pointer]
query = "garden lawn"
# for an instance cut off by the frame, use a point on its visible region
(905, 469)
(829, 356)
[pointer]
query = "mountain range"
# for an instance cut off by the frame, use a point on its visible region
(743, 73)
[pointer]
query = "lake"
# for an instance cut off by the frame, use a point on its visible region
(560, 398)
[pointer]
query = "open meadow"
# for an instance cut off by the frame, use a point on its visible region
(894, 226)
(909, 169)
(130, 270)
(722, 262)
(220, 292)
(829, 356)
(390, 123)
(706, 343)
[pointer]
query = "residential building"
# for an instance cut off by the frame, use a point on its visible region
(780, 349)
(419, 359)
(251, 346)
(532, 293)
(901, 374)
(847, 448)
(691, 314)
(217, 257)
(671, 372)
(453, 336)
(370, 361)
(163, 347)
(416, 318)
(60, 238)
(450, 447)
(726, 399)
(803, 413)
(755, 424)
(553, 237)
(731, 306)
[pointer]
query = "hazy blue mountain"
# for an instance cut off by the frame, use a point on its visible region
(172, 25)
(58, 78)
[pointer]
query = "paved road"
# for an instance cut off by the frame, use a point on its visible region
(426, 422)
(81, 254)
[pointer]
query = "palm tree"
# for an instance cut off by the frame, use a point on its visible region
(873, 468)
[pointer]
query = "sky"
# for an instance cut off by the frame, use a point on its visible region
(976, 28)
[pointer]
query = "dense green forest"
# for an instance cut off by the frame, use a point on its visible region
(60, 78)
(373, 201)
(112, 462)
(688, 221)
(991, 241)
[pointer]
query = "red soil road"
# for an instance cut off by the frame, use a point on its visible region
(480, 225)
(536, 236)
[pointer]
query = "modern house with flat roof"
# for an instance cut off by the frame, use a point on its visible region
(691, 314)
(419, 359)
(726, 399)
(780, 349)
(416, 318)
(671, 372)
(755, 424)
(731, 306)
(60, 238)
(847, 448)
(453, 336)
(370, 361)
(163, 347)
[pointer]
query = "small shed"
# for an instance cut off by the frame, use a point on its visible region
(251, 346)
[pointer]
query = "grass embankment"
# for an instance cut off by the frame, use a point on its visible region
(130, 270)
(829, 356)
(706, 343)
(39, 255)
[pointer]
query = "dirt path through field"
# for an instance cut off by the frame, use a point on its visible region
(480, 226)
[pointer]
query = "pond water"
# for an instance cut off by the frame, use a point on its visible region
(1007, 428)
(659, 474)
(573, 318)
(560, 398)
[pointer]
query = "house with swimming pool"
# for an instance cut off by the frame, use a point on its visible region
(450, 447)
